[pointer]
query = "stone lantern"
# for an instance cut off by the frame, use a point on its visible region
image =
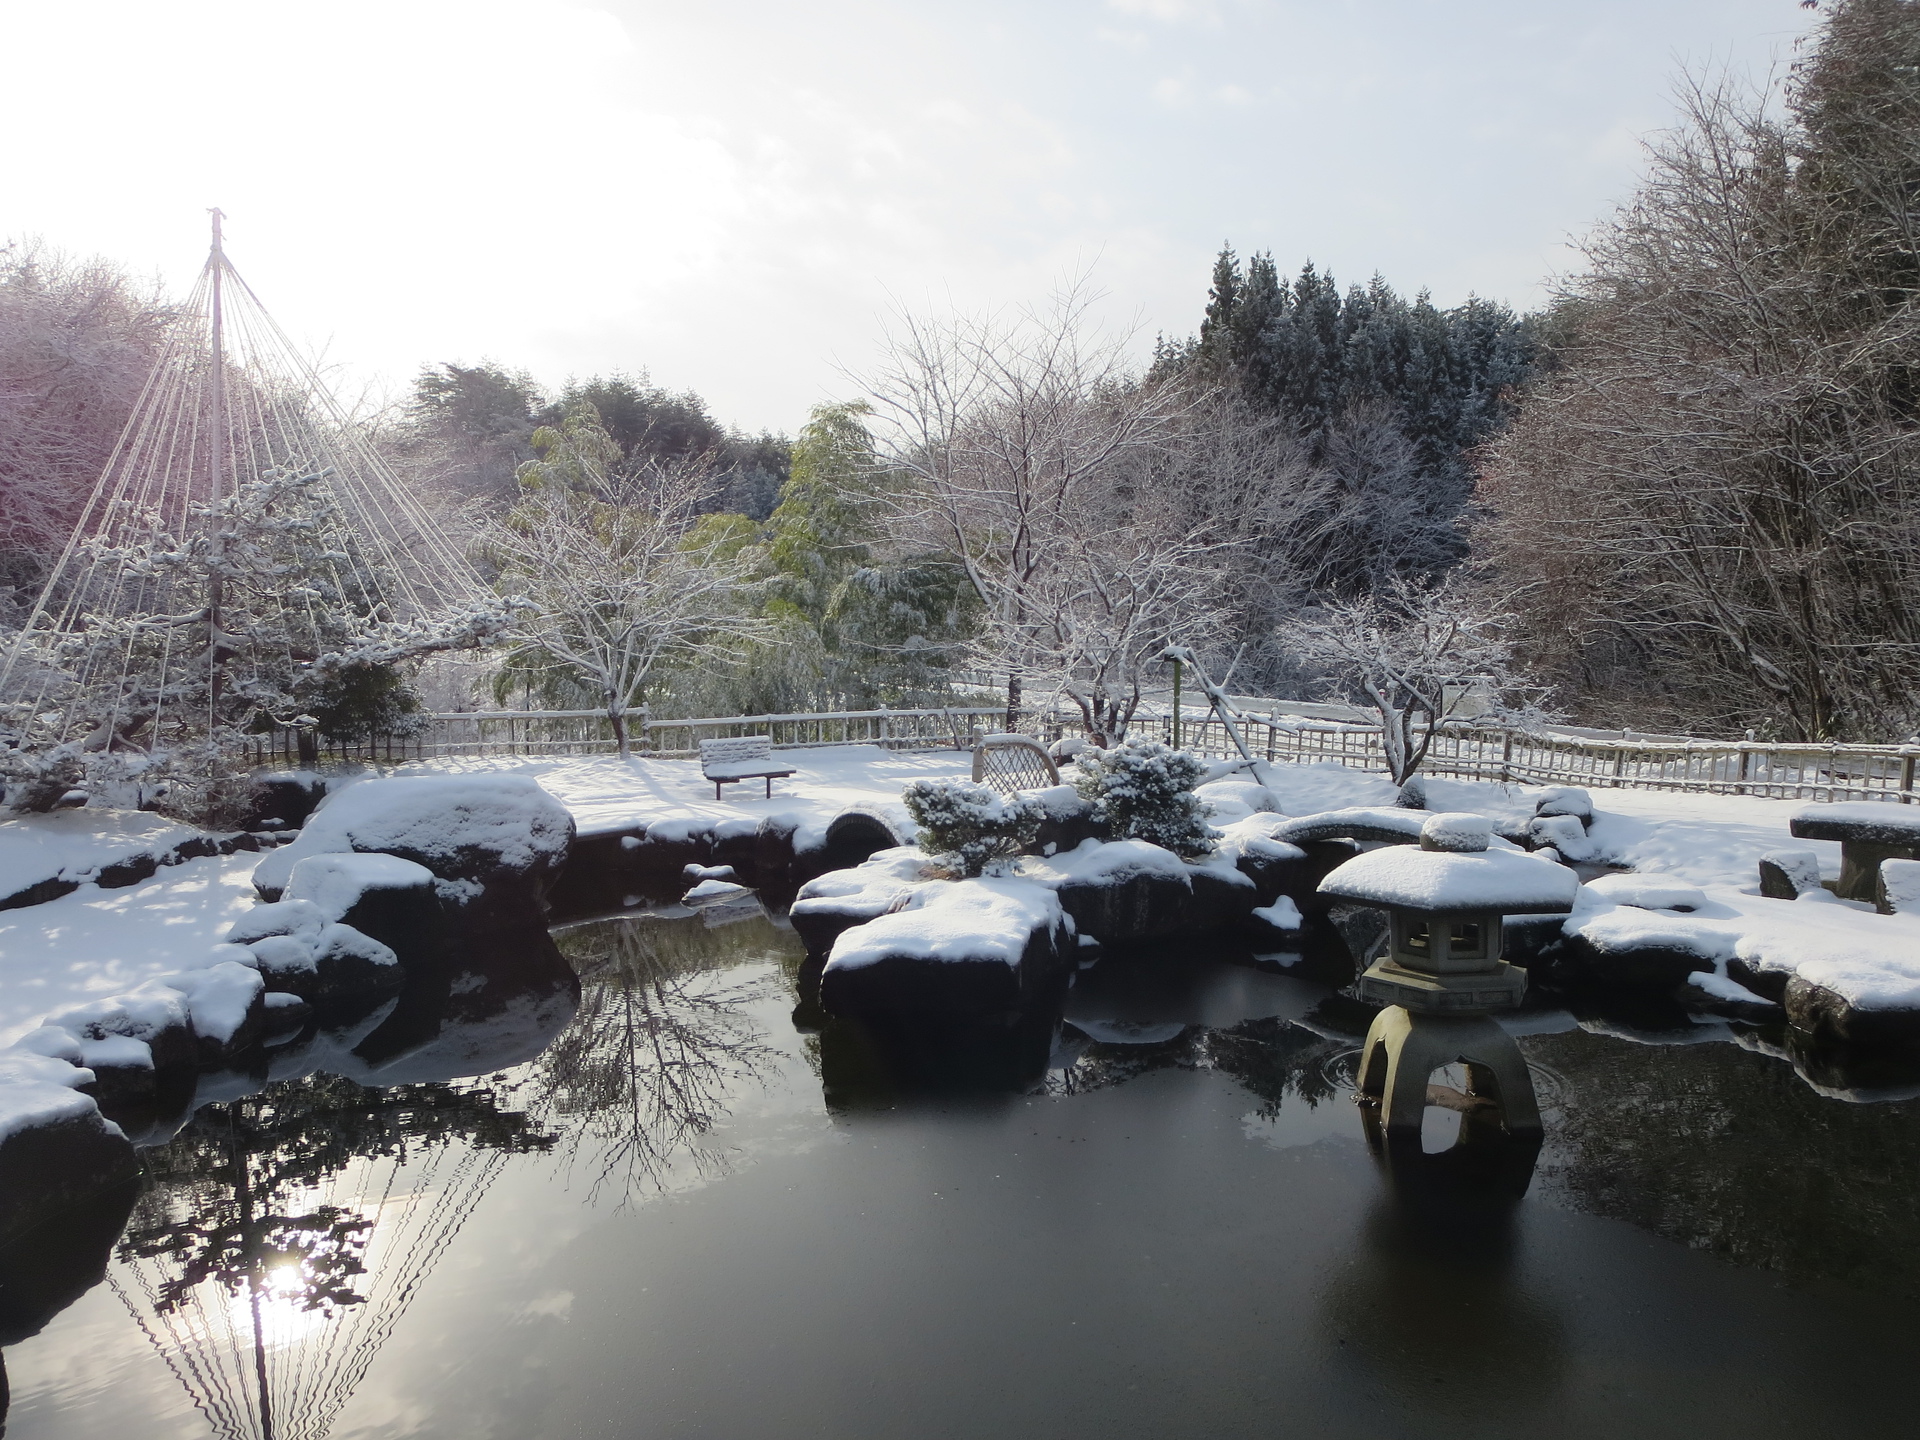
(1442, 973)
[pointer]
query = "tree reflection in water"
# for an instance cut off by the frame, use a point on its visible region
(663, 1038)
(282, 1235)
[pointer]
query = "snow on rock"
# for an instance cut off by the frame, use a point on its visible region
(1645, 892)
(1229, 800)
(1362, 822)
(299, 919)
(830, 904)
(1502, 880)
(714, 892)
(1789, 874)
(1283, 914)
(958, 949)
(1457, 831)
(481, 828)
(223, 1002)
(1564, 800)
(1900, 887)
(56, 1149)
(37, 1089)
(1565, 835)
(1094, 862)
(964, 921)
(1129, 891)
(335, 884)
(42, 853)
(1864, 961)
(1253, 837)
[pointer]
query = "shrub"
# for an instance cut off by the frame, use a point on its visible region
(1143, 790)
(968, 827)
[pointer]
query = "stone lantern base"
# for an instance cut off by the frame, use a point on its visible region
(1387, 982)
(1404, 1049)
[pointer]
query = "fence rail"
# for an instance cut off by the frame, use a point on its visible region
(590, 732)
(1791, 772)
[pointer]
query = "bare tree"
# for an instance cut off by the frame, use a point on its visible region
(1714, 504)
(1017, 446)
(1413, 655)
(77, 342)
(614, 581)
(663, 1042)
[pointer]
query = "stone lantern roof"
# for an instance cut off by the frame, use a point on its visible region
(1508, 881)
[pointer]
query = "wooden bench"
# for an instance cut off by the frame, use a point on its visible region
(744, 757)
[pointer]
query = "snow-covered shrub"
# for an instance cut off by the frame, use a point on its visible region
(967, 827)
(1143, 790)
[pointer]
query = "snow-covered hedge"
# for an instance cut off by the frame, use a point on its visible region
(968, 827)
(1143, 790)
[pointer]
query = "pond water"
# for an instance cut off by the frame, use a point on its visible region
(705, 1210)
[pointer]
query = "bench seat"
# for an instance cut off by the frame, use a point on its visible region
(744, 757)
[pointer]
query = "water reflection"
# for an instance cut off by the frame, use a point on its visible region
(662, 1041)
(1433, 1297)
(281, 1236)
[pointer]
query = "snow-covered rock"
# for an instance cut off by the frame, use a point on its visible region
(56, 1149)
(1899, 887)
(498, 832)
(963, 949)
(1128, 892)
(1456, 831)
(1565, 800)
(1236, 799)
(1789, 874)
(832, 903)
(1566, 836)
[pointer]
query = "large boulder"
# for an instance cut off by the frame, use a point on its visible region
(391, 900)
(500, 839)
(1131, 892)
(960, 950)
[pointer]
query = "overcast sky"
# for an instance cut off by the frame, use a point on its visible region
(731, 196)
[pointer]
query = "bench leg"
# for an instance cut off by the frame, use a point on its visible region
(716, 789)
(769, 787)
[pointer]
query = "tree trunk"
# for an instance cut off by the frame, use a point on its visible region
(617, 714)
(1013, 703)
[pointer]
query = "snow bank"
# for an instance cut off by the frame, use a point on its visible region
(461, 827)
(1503, 880)
(962, 920)
(76, 845)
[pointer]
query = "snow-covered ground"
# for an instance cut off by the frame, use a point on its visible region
(77, 844)
(105, 942)
(96, 942)
(605, 793)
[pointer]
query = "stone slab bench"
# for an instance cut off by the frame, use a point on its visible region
(743, 757)
(1869, 831)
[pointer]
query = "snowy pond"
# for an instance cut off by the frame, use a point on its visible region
(706, 1209)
